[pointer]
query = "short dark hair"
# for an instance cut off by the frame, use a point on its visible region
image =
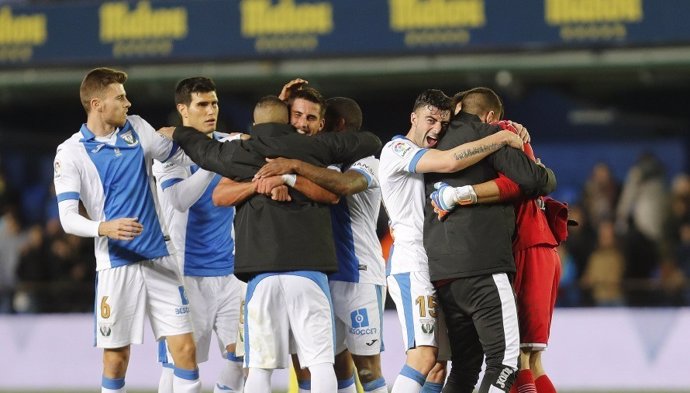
(312, 95)
(197, 84)
(433, 97)
(343, 108)
(479, 100)
(271, 109)
(96, 81)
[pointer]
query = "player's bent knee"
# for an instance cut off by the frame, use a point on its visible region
(115, 361)
(368, 368)
(183, 350)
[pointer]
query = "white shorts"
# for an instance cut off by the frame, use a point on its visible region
(281, 305)
(239, 348)
(420, 317)
(216, 303)
(126, 294)
(358, 310)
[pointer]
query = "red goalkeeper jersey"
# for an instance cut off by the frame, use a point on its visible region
(532, 228)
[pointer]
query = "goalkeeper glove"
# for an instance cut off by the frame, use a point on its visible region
(445, 198)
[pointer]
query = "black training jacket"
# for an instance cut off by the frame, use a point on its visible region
(275, 236)
(475, 240)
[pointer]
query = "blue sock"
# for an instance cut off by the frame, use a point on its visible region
(113, 383)
(233, 358)
(413, 374)
(189, 375)
(344, 383)
(431, 387)
(304, 385)
(373, 385)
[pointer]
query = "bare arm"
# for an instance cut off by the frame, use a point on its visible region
(315, 192)
(487, 192)
(467, 154)
(231, 193)
(348, 183)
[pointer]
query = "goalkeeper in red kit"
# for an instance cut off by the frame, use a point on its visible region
(534, 249)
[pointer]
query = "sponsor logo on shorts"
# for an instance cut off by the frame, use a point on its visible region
(360, 318)
(372, 342)
(360, 323)
(104, 329)
(181, 310)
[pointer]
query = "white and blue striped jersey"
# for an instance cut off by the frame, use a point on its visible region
(112, 177)
(203, 233)
(403, 196)
(354, 227)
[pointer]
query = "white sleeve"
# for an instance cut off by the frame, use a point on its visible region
(369, 167)
(183, 191)
(66, 175)
(73, 222)
(157, 146)
(404, 154)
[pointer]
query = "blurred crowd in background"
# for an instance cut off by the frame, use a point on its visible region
(631, 247)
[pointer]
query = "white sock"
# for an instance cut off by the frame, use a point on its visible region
(323, 379)
(186, 381)
(408, 381)
(113, 385)
(231, 378)
(106, 390)
(165, 384)
(405, 384)
(259, 380)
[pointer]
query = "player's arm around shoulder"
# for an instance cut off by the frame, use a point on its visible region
(466, 154)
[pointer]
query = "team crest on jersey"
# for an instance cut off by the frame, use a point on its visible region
(105, 329)
(129, 138)
(401, 148)
(428, 325)
(57, 169)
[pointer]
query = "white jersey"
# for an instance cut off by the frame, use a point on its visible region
(112, 178)
(403, 196)
(354, 226)
(202, 234)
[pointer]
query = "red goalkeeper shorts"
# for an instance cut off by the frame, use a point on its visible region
(536, 287)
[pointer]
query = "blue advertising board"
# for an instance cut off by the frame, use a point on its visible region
(82, 33)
